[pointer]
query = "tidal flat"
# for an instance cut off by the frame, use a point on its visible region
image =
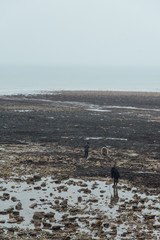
(48, 190)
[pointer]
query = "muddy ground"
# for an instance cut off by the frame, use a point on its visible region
(45, 134)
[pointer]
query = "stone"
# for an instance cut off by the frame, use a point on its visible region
(37, 223)
(43, 184)
(57, 201)
(93, 200)
(2, 221)
(1, 230)
(149, 217)
(37, 177)
(32, 199)
(79, 199)
(21, 233)
(38, 215)
(6, 196)
(97, 223)
(12, 220)
(15, 213)
(85, 190)
(56, 228)
(19, 219)
(106, 225)
(33, 205)
(9, 210)
(14, 199)
(156, 226)
(11, 229)
(49, 215)
(46, 225)
(32, 233)
(3, 212)
(19, 206)
(37, 188)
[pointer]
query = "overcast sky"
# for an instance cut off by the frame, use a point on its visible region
(87, 32)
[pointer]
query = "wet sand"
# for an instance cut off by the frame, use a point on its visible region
(42, 137)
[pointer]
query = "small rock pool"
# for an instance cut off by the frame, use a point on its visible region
(87, 206)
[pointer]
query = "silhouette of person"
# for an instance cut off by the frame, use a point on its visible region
(115, 174)
(86, 148)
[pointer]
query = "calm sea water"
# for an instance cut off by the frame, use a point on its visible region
(32, 78)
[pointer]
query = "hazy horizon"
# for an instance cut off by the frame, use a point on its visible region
(53, 78)
(80, 44)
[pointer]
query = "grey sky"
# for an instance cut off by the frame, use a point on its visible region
(114, 32)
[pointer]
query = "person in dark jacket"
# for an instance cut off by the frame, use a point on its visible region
(115, 174)
(86, 148)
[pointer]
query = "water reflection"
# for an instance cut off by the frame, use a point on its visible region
(114, 197)
(86, 201)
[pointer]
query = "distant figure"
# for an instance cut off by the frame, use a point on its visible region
(86, 148)
(115, 174)
(104, 151)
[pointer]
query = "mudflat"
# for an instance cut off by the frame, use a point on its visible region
(42, 141)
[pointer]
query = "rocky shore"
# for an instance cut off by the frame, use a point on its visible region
(48, 190)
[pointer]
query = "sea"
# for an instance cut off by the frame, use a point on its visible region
(28, 79)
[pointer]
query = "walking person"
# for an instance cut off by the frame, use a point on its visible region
(115, 174)
(86, 148)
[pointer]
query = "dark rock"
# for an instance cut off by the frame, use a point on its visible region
(19, 219)
(49, 215)
(37, 177)
(9, 210)
(46, 225)
(33, 233)
(38, 215)
(15, 213)
(2, 221)
(14, 199)
(33, 205)
(19, 206)
(3, 212)
(85, 190)
(106, 225)
(56, 228)
(37, 188)
(79, 199)
(6, 196)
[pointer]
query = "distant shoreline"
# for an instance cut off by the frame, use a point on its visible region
(50, 92)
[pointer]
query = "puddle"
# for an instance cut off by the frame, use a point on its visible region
(51, 117)
(151, 120)
(98, 110)
(94, 138)
(99, 138)
(122, 113)
(119, 139)
(2, 161)
(2, 149)
(144, 115)
(134, 108)
(23, 111)
(132, 154)
(93, 107)
(86, 201)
